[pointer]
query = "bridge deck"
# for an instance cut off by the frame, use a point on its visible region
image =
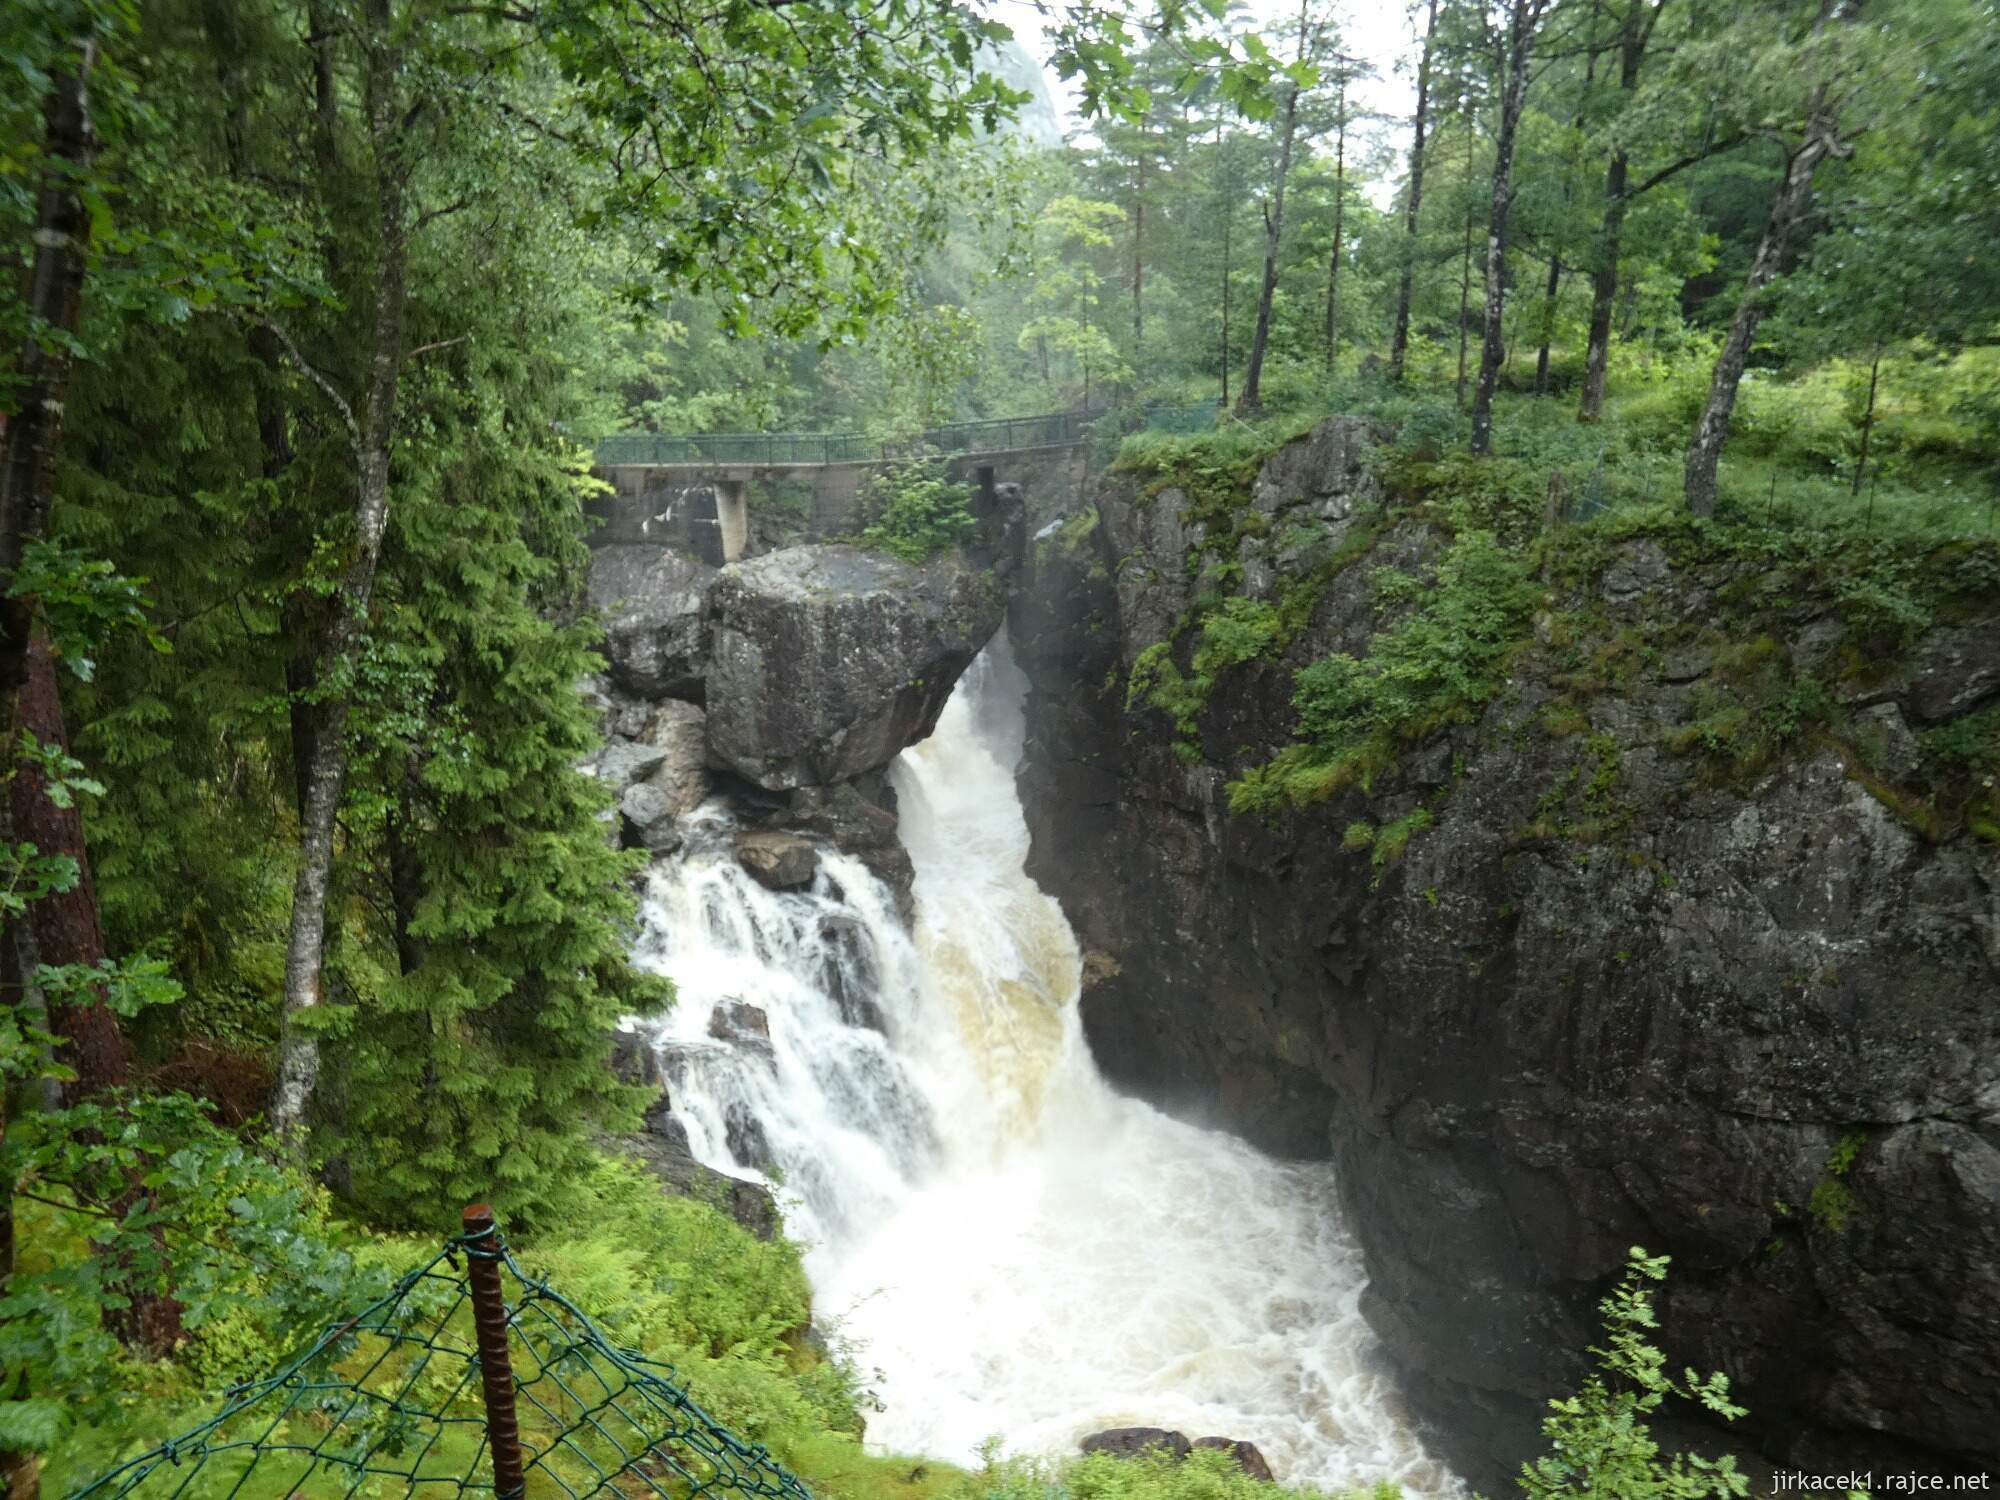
(810, 450)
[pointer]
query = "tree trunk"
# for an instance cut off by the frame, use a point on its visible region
(1633, 36)
(1274, 229)
(52, 298)
(1399, 344)
(1604, 290)
(305, 949)
(1868, 417)
(65, 924)
(1227, 267)
(1522, 19)
(1704, 454)
(1465, 274)
(1548, 324)
(1339, 213)
(1138, 258)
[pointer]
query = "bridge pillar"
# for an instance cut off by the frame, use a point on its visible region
(732, 516)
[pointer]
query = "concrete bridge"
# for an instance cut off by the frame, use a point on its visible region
(708, 492)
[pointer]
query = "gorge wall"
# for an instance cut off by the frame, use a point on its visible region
(1684, 939)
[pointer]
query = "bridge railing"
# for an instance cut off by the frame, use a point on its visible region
(775, 449)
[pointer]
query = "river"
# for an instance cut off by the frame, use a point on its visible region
(1008, 1248)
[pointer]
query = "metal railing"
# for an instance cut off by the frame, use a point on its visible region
(791, 449)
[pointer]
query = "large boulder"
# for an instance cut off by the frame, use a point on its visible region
(778, 861)
(655, 606)
(825, 662)
(1133, 1442)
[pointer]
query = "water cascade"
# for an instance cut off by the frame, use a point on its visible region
(1009, 1248)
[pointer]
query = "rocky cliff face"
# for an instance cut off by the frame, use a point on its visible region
(1628, 981)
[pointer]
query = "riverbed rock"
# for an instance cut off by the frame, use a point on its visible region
(826, 662)
(1249, 1458)
(1131, 1442)
(624, 763)
(740, 1024)
(654, 601)
(679, 731)
(670, 1163)
(647, 819)
(859, 818)
(1621, 990)
(633, 1059)
(778, 861)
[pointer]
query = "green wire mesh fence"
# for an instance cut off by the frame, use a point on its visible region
(458, 1383)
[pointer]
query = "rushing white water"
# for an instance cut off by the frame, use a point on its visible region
(1009, 1247)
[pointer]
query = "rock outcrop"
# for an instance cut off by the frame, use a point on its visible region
(1621, 990)
(655, 606)
(826, 662)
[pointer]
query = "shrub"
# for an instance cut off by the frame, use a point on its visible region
(914, 512)
(1600, 1443)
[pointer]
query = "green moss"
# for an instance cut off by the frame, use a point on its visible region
(1436, 665)
(1395, 837)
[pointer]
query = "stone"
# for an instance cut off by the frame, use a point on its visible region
(647, 820)
(667, 1158)
(849, 973)
(679, 731)
(1955, 670)
(660, 1120)
(633, 1059)
(1894, 748)
(1639, 569)
(1131, 1442)
(741, 1024)
(826, 662)
(624, 762)
(654, 601)
(778, 861)
(1247, 1455)
(859, 818)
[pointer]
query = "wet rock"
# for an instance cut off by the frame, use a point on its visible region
(633, 1059)
(679, 731)
(740, 1024)
(1131, 1442)
(850, 974)
(660, 1120)
(778, 861)
(1248, 1458)
(648, 819)
(859, 818)
(624, 762)
(827, 661)
(655, 606)
(744, 1134)
(667, 1158)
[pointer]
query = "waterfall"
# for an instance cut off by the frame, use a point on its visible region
(1010, 1248)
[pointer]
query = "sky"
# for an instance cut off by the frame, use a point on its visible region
(1382, 32)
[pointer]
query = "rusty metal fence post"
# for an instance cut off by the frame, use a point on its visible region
(483, 1254)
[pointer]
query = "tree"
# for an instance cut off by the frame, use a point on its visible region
(1413, 199)
(785, 108)
(1600, 1441)
(1817, 140)
(1312, 33)
(1513, 48)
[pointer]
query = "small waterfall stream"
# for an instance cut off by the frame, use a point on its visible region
(1015, 1249)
